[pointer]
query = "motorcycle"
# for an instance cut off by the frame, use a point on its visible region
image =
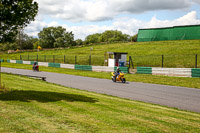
(120, 77)
(35, 67)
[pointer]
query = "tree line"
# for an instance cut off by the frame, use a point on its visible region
(57, 37)
(15, 15)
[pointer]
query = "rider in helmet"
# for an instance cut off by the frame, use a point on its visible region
(117, 72)
(35, 65)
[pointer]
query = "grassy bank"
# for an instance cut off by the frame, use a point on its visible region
(164, 80)
(37, 106)
(176, 53)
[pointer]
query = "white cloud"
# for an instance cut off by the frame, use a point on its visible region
(100, 10)
(126, 25)
(188, 19)
(196, 1)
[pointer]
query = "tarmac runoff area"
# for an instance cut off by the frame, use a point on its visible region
(177, 97)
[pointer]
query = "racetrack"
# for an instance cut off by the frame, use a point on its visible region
(178, 97)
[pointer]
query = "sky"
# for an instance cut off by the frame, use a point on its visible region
(86, 17)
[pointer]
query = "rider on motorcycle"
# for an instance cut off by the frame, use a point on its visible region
(117, 72)
(35, 65)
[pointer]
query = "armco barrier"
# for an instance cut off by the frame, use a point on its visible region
(27, 62)
(180, 72)
(32, 62)
(83, 67)
(177, 72)
(54, 65)
(102, 69)
(43, 64)
(123, 69)
(19, 61)
(144, 70)
(12, 61)
(195, 72)
(69, 66)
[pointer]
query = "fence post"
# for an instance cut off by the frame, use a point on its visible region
(20, 57)
(196, 61)
(162, 61)
(75, 59)
(131, 61)
(90, 60)
(44, 58)
(53, 58)
(28, 57)
(64, 59)
(0, 74)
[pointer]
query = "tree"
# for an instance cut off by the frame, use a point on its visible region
(24, 41)
(79, 42)
(14, 15)
(54, 37)
(94, 38)
(114, 36)
(134, 38)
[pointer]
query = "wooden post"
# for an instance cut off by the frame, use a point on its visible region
(162, 61)
(0, 73)
(75, 60)
(90, 60)
(64, 59)
(53, 58)
(196, 61)
(44, 58)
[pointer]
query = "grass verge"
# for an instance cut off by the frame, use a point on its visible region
(164, 80)
(37, 106)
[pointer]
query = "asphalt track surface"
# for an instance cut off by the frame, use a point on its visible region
(178, 97)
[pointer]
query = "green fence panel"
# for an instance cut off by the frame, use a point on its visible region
(8, 61)
(57, 65)
(123, 69)
(2, 60)
(78, 67)
(19, 61)
(195, 72)
(144, 70)
(169, 33)
(83, 67)
(54, 65)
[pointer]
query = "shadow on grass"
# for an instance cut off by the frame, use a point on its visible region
(43, 96)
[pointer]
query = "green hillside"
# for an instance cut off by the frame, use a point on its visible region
(176, 53)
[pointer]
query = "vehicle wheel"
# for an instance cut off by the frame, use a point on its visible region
(123, 80)
(113, 79)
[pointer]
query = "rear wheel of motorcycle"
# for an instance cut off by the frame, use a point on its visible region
(123, 80)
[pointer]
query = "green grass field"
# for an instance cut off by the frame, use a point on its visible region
(176, 53)
(145, 78)
(36, 106)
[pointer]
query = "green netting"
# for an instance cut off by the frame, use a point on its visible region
(171, 33)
